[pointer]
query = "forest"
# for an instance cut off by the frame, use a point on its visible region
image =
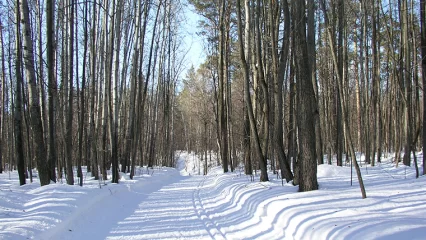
(285, 85)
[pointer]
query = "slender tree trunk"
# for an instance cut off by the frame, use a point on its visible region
(376, 88)
(34, 99)
(339, 120)
(82, 99)
(70, 113)
(264, 87)
(279, 72)
(247, 97)
(345, 124)
(19, 145)
(312, 62)
(52, 157)
(223, 132)
(2, 96)
(113, 96)
(91, 141)
(406, 71)
(423, 52)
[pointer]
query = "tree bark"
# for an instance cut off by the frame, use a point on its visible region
(34, 99)
(52, 86)
(405, 50)
(305, 115)
(70, 113)
(19, 145)
(423, 52)
(312, 62)
(345, 124)
(2, 96)
(221, 94)
(279, 67)
(247, 97)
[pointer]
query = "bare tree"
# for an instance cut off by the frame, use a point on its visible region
(306, 110)
(19, 149)
(34, 99)
(332, 46)
(423, 55)
(52, 158)
(278, 68)
(2, 93)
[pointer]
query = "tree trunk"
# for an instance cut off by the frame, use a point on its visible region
(306, 114)
(339, 120)
(405, 50)
(247, 97)
(70, 113)
(91, 139)
(423, 52)
(34, 99)
(312, 62)
(279, 72)
(82, 99)
(2, 97)
(52, 86)
(223, 132)
(261, 76)
(345, 124)
(19, 144)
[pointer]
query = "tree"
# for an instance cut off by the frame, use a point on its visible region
(406, 81)
(305, 115)
(332, 46)
(70, 89)
(34, 99)
(19, 149)
(278, 68)
(2, 93)
(423, 54)
(223, 126)
(52, 158)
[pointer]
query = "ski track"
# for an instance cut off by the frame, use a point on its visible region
(164, 203)
(171, 206)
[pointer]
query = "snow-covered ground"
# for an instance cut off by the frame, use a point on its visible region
(167, 203)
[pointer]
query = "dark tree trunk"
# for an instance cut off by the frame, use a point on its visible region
(34, 100)
(52, 158)
(305, 117)
(423, 51)
(2, 96)
(223, 132)
(70, 113)
(19, 144)
(279, 69)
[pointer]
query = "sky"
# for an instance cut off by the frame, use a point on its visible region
(193, 43)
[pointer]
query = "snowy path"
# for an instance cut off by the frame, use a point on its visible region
(169, 204)
(166, 206)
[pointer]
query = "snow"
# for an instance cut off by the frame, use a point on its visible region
(168, 203)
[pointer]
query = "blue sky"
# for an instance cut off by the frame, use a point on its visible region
(193, 43)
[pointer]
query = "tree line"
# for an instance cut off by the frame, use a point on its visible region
(290, 84)
(88, 83)
(301, 83)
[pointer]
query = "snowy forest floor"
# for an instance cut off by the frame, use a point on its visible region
(168, 203)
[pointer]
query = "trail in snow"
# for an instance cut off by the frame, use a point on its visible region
(167, 203)
(161, 206)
